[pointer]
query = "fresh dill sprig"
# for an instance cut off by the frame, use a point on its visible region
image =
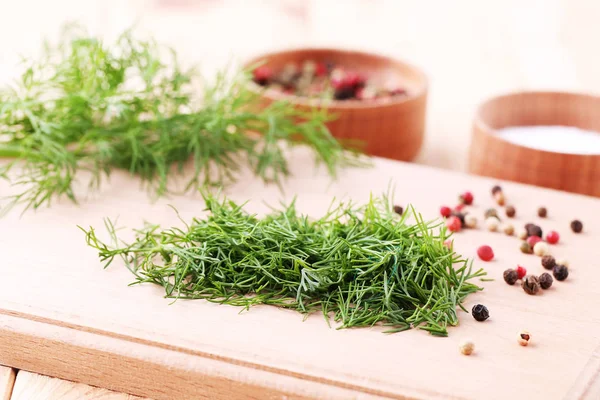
(361, 265)
(91, 106)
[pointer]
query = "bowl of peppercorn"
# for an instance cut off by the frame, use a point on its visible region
(548, 139)
(375, 102)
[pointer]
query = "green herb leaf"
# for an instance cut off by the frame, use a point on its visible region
(92, 107)
(361, 265)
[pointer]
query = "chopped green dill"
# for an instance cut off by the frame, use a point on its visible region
(92, 106)
(360, 265)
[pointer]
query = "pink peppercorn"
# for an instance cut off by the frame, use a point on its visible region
(521, 272)
(485, 253)
(459, 207)
(445, 211)
(532, 240)
(453, 224)
(467, 198)
(552, 237)
(262, 74)
(321, 69)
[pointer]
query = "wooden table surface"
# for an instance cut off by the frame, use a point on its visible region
(23, 385)
(62, 315)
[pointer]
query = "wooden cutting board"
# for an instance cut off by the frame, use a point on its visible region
(62, 315)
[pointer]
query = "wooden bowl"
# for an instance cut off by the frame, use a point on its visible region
(490, 155)
(391, 128)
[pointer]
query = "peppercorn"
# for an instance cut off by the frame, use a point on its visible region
(560, 272)
(545, 280)
(480, 312)
(542, 212)
(533, 230)
(522, 234)
(262, 75)
(470, 221)
(531, 284)
(548, 262)
(460, 216)
(510, 276)
(508, 228)
(459, 207)
(533, 240)
(521, 272)
(466, 198)
(500, 199)
(485, 253)
(491, 212)
(524, 337)
(343, 93)
(453, 224)
(541, 249)
(510, 211)
(576, 226)
(526, 248)
(398, 210)
(492, 223)
(466, 347)
(496, 189)
(552, 237)
(445, 211)
(563, 261)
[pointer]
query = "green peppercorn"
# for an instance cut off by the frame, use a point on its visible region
(531, 284)
(526, 248)
(398, 210)
(491, 212)
(576, 226)
(545, 280)
(511, 276)
(510, 211)
(480, 312)
(560, 272)
(548, 262)
(542, 212)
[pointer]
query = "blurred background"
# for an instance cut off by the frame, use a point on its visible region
(470, 49)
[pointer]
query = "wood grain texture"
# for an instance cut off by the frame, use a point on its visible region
(493, 156)
(62, 315)
(7, 381)
(391, 128)
(29, 386)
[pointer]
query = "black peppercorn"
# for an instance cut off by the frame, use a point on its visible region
(510, 211)
(398, 210)
(545, 280)
(531, 284)
(344, 93)
(496, 189)
(533, 230)
(491, 212)
(576, 226)
(548, 262)
(510, 276)
(542, 212)
(480, 312)
(560, 272)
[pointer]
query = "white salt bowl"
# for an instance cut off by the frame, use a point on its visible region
(500, 154)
